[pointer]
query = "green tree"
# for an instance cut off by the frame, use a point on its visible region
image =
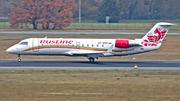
(166, 9)
(89, 9)
(4, 8)
(133, 9)
(111, 9)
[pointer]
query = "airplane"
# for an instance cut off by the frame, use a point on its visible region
(92, 48)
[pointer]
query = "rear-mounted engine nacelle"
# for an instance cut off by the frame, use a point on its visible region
(125, 43)
(122, 43)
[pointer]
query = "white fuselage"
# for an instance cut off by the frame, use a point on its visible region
(77, 47)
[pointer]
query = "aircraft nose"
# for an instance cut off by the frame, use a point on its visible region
(8, 50)
(11, 50)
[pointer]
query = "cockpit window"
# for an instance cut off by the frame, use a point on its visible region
(23, 43)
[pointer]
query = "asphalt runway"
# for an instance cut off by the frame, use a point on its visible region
(86, 65)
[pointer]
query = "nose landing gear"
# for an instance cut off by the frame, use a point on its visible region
(19, 59)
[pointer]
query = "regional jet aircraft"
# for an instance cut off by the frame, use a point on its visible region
(92, 48)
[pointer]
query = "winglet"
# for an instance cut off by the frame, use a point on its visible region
(110, 48)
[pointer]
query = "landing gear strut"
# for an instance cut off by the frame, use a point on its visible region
(91, 60)
(19, 59)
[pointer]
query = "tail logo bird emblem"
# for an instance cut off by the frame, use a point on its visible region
(154, 38)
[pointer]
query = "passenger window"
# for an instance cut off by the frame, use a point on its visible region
(82, 45)
(102, 45)
(92, 45)
(73, 45)
(87, 45)
(97, 45)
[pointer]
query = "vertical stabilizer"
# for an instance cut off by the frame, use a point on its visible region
(156, 34)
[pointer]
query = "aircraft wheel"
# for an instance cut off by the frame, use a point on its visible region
(19, 60)
(91, 60)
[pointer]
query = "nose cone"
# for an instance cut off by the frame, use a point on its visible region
(12, 50)
(9, 50)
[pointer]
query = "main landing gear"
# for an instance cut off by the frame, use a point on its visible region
(19, 59)
(91, 60)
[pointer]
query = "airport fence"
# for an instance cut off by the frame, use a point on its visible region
(90, 24)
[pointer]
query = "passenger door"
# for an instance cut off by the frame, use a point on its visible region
(35, 45)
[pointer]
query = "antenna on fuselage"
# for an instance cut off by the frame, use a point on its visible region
(45, 37)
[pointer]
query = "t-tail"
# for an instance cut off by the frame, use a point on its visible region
(156, 34)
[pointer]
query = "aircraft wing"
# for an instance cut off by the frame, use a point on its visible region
(83, 52)
(94, 54)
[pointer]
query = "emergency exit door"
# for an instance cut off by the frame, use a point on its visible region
(78, 45)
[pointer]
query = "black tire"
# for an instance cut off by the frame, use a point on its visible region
(91, 60)
(19, 60)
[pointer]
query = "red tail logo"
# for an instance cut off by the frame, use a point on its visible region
(154, 38)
